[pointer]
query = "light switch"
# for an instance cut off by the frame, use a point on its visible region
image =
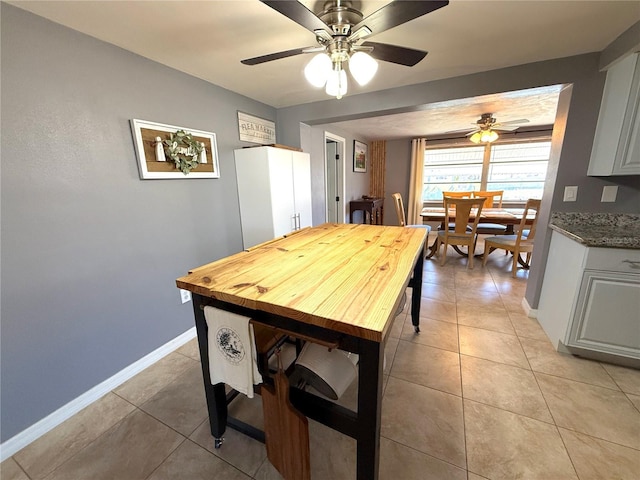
(609, 193)
(570, 194)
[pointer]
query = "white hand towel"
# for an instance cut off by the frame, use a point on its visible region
(232, 350)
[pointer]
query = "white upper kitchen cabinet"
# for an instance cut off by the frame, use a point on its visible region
(274, 190)
(616, 146)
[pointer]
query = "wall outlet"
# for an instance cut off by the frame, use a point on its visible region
(609, 193)
(185, 295)
(570, 194)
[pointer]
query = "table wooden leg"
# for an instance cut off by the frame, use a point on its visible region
(460, 252)
(522, 262)
(433, 248)
(369, 409)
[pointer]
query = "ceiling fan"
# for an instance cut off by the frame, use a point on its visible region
(487, 128)
(340, 30)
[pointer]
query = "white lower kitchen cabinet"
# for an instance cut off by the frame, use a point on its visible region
(605, 296)
(274, 191)
(590, 300)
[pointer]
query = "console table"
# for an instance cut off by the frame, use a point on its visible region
(373, 206)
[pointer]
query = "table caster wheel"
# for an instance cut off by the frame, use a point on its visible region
(217, 442)
(417, 329)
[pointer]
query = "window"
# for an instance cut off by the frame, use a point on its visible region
(517, 168)
(451, 169)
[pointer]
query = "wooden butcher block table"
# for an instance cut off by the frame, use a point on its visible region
(337, 283)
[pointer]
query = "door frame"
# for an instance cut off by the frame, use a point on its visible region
(341, 188)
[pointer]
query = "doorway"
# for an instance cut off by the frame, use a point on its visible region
(334, 167)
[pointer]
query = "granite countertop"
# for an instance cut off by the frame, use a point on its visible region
(610, 230)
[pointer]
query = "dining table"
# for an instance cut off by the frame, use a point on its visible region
(509, 217)
(339, 284)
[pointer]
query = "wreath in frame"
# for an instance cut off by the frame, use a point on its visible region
(184, 150)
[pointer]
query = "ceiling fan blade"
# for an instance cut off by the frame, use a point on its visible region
(513, 122)
(460, 130)
(505, 129)
(298, 13)
(396, 13)
(394, 54)
(274, 56)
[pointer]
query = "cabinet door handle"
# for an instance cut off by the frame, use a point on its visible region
(632, 263)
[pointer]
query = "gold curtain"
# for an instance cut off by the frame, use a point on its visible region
(414, 202)
(378, 165)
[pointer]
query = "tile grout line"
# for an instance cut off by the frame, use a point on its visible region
(20, 467)
(423, 453)
(112, 427)
(571, 429)
(567, 451)
(167, 457)
(464, 418)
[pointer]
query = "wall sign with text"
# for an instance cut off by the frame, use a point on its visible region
(256, 130)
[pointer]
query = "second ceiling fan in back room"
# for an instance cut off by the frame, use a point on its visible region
(487, 128)
(340, 31)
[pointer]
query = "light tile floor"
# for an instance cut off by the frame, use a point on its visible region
(480, 393)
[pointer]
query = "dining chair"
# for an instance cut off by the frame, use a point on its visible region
(468, 194)
(402, 220)
(493, 200)
(464, 227)
(452, 194)
(518, 243)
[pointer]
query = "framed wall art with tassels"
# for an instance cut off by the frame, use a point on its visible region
(171, 152)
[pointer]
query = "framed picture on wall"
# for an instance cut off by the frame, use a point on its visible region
(359, 156)
(172, 152)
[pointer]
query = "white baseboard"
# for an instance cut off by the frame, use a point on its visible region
(530, 312)
(35, 431)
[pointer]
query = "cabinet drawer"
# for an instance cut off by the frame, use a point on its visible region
(625, 260)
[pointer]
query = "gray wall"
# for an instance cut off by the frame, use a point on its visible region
(90, 252)
(356, 183)
(398, 171)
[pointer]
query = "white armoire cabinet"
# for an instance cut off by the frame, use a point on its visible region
(274, 189)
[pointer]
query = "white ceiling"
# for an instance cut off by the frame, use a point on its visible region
(207, 39)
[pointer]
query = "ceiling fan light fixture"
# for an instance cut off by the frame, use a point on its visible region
(362, 67)
(489, 136)
(340, 29)
(318, 70)
(484, 136)
(337, 83)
